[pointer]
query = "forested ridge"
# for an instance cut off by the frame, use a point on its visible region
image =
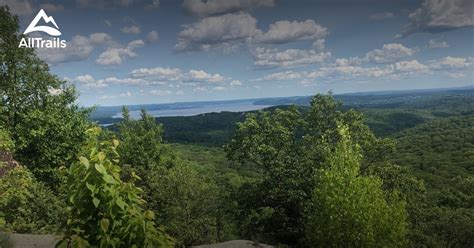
(371, 172)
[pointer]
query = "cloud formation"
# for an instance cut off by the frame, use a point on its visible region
(133, 29)
(217, 31)
(271, 58)
(437, 44)
(214, 7)
(116, 56)
(229, 31)
(287, 31)
(161, 74)
(152, 36)
(18, 7)
(389, 53)
(436, 16)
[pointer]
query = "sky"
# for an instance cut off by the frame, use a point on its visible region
(160, 51)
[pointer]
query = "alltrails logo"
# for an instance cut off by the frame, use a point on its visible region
(40, 42)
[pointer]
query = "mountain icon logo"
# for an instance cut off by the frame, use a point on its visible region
(47, 19)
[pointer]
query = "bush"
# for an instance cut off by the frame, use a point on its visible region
(188, 203)
(351, 210)
(102, 209)
(27, 206)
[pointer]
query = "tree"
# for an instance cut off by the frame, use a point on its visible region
(142, 143)
(102, 209)
(36, 107)
(188, 203)
(351, 210)
(288, 147)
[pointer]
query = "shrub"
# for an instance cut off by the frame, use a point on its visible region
(188, 202)
(351, 210)
(27, 206)
(102, 209)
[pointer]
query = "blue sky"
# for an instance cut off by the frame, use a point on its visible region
(149, 51)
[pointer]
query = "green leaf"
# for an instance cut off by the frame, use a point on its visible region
(120, 203)
(90, 187)
(104, 224)
(101, 156)
(96, 202)
(84, 161)
(109, 179)
(100, 168)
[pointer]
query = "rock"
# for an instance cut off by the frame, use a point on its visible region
(32, 241)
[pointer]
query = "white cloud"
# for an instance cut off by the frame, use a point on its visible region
(202, 76)
(78, 48)
(88, 82)
(116, 56)
(452, 63)
(389, 53)
(176, 75)
(50, 8)
(107, 23)
(382, 16)
(122, 95)
(286, 31)
(219, 88)
(133, 29)
(437, 44)
(161, 92)
(101, 4)
(440, 15)
(409, 66)
(200, 89)
(270, 58)
(152, 36)
(235, 83)
(228, 32)
(213, 7)
(283, 76)
(319, 44)
(158, 73)
(123, 81)
(18, 7)
(217, 31)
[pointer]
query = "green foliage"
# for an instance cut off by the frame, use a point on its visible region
(142, 143)
(6, 143)
(188, 203)
(102, 209)
(47, 129)
(284, 145)
(350, 210)
(27, 206)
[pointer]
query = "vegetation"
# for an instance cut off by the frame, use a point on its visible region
(351, 210)
(103, 210)
(37, 108)
(389, 170)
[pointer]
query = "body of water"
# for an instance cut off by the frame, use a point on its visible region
(191, 109)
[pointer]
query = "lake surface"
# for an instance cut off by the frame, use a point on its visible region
(190, 109)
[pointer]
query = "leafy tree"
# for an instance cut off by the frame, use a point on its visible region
(350, 210)
(36, 107)
(142, 143)
(26, 206)
(102, 209)
(288, 147)
(188, 204)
